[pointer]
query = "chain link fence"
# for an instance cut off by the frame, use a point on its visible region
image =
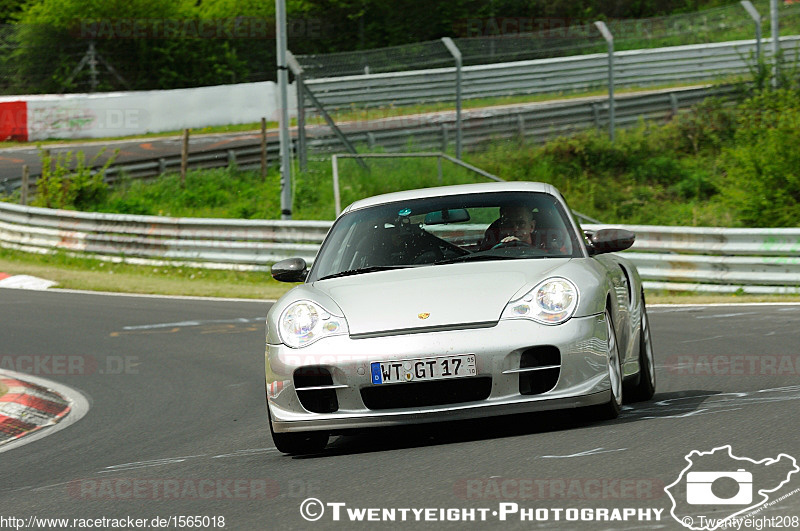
(506, 39)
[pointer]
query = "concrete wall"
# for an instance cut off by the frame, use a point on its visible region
(39, 117)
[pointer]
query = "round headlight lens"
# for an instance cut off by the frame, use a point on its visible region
(304, 322)
(551, 302)
(556, 300)
(301, 319)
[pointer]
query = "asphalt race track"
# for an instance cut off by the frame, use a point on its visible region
(177, 427)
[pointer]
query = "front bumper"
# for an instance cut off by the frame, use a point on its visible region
(582, 379)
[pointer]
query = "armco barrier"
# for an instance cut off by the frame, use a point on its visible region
(696, 63)
(675, 258)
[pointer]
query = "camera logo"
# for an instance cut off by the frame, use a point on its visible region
(716, 487)
(700, 488)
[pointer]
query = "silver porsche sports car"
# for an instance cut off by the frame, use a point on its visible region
(454, 303)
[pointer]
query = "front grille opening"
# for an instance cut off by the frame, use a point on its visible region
(426, 394)
(317, 400)
(542, 381)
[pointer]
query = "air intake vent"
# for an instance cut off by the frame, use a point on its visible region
(544, 368)
(427, 394)
(310, 383)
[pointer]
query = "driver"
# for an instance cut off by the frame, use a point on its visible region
(516, 223)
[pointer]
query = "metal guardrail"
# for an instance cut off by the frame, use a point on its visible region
(751, 260)
(213, 243)
(716, 259)
(532, 122)
(632, 68)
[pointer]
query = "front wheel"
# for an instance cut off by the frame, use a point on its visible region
(310, 442)
(610, 410)
(646, 387)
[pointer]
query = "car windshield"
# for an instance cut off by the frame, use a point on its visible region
(441, 230)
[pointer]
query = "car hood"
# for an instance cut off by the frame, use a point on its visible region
(435, 296)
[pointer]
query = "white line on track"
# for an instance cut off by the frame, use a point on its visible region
(196, 323)
(724, 315)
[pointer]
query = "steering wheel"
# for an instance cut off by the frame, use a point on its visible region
(512, 243)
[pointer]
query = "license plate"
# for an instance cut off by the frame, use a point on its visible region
(423, 369)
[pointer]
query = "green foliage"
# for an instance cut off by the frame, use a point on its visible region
(72, 186)
(217, 193)
(760, 177)
(55, 34)
(9, 9)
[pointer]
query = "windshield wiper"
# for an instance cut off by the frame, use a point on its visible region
(370, 269)
(476, 258)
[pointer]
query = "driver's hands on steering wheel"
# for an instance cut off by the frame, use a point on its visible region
(511, 241)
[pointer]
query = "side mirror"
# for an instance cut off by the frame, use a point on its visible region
(610, 241)
(290, 270)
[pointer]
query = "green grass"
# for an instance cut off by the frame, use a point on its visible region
(229, 193)
(80, 273)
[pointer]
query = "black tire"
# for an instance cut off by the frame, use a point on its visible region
(610, 410)
(310, 442)
(646, 387)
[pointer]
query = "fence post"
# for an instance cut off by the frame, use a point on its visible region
(299, 80)
(263, 148)
(283, 108)
(24, 191)
(184, 157)
(773, 13)
(456, 53)
(751, 10)
(337, 200)
(93, 66)
(673, 101)
(232, 158)
(601, 26)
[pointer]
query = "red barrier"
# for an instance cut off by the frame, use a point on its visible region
(14, 121)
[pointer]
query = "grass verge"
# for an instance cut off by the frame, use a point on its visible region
(3, 389)
(96, 275)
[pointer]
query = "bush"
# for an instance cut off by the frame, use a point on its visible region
(64, 185)
(760, 178)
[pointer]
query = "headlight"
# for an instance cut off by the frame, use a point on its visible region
(304, 322)
(551, 302)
